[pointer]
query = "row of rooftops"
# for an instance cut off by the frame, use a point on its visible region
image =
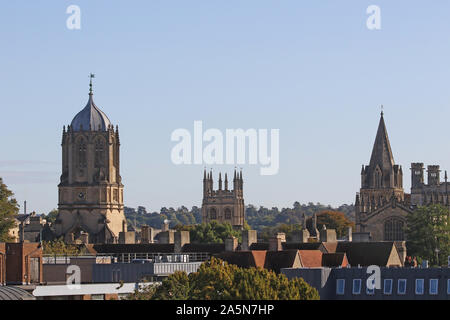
(355, 253)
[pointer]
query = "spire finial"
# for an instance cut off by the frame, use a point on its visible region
(91, 75)
(382, 113)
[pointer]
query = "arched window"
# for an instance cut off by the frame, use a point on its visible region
(99, 153)
(227, 214)
(82, 163)
(394, 230)
(212, 214)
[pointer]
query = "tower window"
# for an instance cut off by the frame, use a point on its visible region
(213, 214)
(82, 154)
(99, 153)
(227, 214)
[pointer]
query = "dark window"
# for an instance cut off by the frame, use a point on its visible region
(213, 214)
(82, 154)
(356, 286)
(99, 153)
(394, 230)
(434, 286)
(420, 286)
(387, 286)
(401, 286)
(340, 286)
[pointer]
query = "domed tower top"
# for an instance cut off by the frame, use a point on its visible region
(91, 118)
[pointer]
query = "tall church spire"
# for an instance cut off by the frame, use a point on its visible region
(382, 152)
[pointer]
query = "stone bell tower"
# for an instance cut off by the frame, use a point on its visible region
(223, 205)
(91, 190)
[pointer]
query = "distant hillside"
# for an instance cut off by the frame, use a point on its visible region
(257, 218)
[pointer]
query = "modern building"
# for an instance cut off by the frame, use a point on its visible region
(394, 283)
(90, 191)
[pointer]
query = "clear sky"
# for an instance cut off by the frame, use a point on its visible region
(309, 68)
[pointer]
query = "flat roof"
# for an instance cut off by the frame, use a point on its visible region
(84, 289)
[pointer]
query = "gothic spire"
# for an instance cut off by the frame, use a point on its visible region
(382, 152)
(226, 182)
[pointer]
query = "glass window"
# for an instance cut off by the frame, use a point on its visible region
(401, 286)
(387, 286)
(356, 286)
(370, 291)
(97, 297)
(340, 286)
(433, 286)
(419, 286)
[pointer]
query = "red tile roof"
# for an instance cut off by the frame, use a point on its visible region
(311, 258)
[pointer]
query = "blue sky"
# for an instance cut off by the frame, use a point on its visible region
(309, 68)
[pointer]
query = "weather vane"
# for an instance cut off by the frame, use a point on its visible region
(91, 75)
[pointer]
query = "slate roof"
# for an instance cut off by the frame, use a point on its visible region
(259, 246)
(22, 217)
(368, 253)
(305, 246)
(204, 247)
(334, 260)
(275, 260)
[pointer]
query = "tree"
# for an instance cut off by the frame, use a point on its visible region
(59, 247)
(218, 280)
(213, 232)
(8, 210)
(51, 216)
(333, 220)
(428, 233)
